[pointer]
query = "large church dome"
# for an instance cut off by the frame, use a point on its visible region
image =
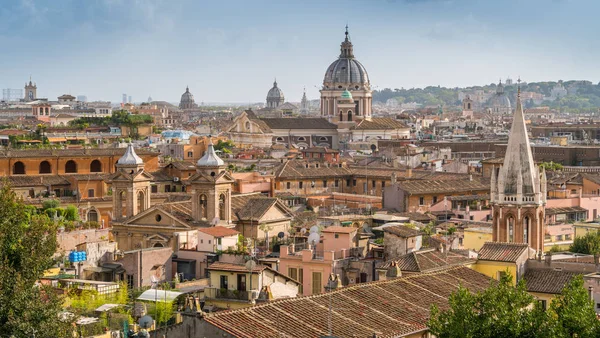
(499, 102)
(346, 71)
(187, 100)
(275, 96)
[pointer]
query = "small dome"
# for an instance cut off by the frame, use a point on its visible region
(210, 159)
(346, 95)
(130, 157)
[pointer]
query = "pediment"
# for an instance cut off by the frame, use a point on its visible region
(222, 177)
(158, 217)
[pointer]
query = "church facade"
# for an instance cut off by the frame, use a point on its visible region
(518, 191)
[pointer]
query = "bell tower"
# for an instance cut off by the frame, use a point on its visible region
(130, 186)
(211, 189)
(30, 91)
(518, 190)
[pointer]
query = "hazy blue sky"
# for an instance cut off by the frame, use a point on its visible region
(231, 50)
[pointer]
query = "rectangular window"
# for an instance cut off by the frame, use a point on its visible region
(288, 185)
(224, 282)
(190, 154)
(337, 235)
(130, 282)
(154, 188)
(543, 303)
(209, 241)
(373, 184)
(434, 199)
(90, 192)
(201, 241)
(167, 188)
(241, 282)
(421, 200)
(354, 183)
(317, 286)
(382, 184)
(348, 182)
(300, 184)
(293, 273)
(324, 183)
(219, 240)
(336, 183)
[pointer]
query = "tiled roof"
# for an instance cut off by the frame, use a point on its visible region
(297, 169)
(222, 266)
(238, 201)
(445, 186)
(402, 231)
(339, 229)
(298, 123)
(415, 216)
(183, 165)
(547, 280)
(218, 231)
(256, 208)
(27, 153)
(37, 180)
(502, 252)
(379, 123)
(386, 308)
(427, 260)
(591, 177)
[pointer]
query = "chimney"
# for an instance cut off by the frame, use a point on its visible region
(393, 271)
(548, 259)
(333, 283)
(591, 292)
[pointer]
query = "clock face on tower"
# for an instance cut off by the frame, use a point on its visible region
(31, 94)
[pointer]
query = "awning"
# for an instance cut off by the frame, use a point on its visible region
(564, 210)
(118, 268)
(159, 295)
(346, 223)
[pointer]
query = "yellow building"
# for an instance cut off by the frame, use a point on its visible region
(497, 258)
(546, 284)
(582, 229)
(474, 238)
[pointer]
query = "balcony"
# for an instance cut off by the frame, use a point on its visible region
(216, 293)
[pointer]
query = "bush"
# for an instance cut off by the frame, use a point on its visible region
(48, 204)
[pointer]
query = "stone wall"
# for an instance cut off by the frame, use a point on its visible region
(68, 241)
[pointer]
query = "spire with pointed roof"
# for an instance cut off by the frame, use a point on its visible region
(518, 178)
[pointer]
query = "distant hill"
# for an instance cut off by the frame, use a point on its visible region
(579, 96)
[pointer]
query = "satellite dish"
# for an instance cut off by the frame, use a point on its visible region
(281, 234)
(314, 238)
(250, 265)
(314, 229)
(303, 231)
(145, 322)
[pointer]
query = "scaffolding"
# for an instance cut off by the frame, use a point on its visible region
(12, 95)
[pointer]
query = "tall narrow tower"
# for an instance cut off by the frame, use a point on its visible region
(518, 190)
(130, 186)
(30, 91)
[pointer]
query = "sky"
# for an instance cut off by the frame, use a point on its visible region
(230, 51)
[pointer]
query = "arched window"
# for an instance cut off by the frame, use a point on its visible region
(510, 221)
(349, 115)
(96, 166)
(158, 245)
(222, 207)
(45, 168)
(526, 223)
(279, 139)
(248, 125)
(302, 139)
(141, 201)
(341, 115)
(203, 206)
(71, 167)
(469, 105)
(19, 168)
(323, 138)
(92, 216)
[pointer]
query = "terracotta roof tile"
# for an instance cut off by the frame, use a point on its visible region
(402, 231)
(503, 252)
(477, 184)
(339, 229)
(218, 231)
(427, 260)
(386, 308)
(298, 123)
(547, 280)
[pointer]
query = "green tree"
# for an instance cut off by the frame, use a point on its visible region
(575, 311)
(503, 310)
(27, 244)
(588, 244)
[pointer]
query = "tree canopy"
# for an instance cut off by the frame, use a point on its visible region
(27, 244)
(588, 244)
(503, 310)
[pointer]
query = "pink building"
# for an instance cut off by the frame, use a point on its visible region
(333, 254)
(253, 182)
